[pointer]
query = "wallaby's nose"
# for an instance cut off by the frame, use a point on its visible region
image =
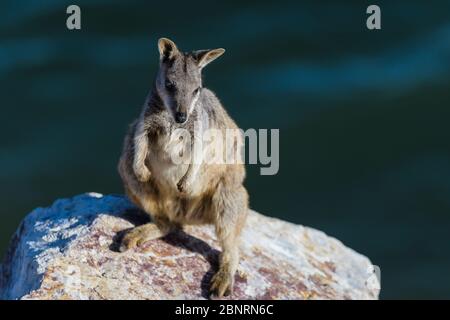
(180, 117)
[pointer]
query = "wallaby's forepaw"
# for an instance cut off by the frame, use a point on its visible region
(221, 284)
(142, 173)
(137, 236)
(183, 185)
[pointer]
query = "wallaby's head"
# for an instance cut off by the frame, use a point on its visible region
(179, 80)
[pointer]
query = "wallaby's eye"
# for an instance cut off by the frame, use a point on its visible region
(196, 91)
(170, 86)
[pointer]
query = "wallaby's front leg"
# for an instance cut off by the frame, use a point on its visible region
(140, 152)
(196, 159)
(185, 183)
(146, 232)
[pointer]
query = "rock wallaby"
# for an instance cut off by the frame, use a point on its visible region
(192, 192)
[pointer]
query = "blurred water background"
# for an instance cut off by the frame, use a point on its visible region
(363, 115)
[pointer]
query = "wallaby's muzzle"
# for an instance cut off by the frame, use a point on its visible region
(180, 117)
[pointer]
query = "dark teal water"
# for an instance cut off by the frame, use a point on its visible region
(363, 116)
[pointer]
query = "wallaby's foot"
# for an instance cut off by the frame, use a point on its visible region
(137, 236)
(221, 284)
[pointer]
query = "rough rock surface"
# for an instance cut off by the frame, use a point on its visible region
(69, 251)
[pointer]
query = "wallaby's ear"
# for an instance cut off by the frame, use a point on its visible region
(204, 57)
(167, 49)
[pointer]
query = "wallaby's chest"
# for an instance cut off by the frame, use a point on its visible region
(168, 156)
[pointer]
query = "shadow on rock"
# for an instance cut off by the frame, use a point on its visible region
(178, 239)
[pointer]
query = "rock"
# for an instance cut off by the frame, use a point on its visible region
(69, 251)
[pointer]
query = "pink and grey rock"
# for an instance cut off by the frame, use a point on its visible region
(68, 251)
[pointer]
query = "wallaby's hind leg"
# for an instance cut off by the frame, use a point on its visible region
(159, 227)
(232, 207)
(146, 232)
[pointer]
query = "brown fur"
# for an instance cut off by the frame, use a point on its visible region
(176, 195)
